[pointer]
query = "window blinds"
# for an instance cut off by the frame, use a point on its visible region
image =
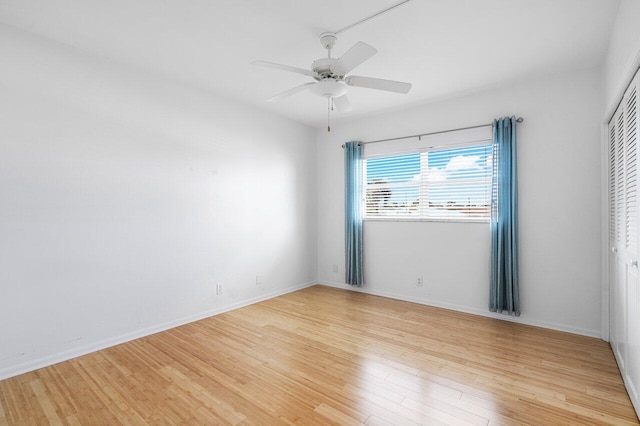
(439, 183)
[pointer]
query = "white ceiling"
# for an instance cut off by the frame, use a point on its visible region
(444, 47)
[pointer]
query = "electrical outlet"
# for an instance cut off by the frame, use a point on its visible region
(218, 288)
(419, 282)
(335, 268)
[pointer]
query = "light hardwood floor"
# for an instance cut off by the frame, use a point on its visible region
(328, 356)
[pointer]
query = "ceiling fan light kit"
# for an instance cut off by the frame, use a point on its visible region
(329, 88)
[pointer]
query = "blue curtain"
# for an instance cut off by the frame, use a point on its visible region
(353, 213)
(503, 288)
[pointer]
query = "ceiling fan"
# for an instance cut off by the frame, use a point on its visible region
(330, 75)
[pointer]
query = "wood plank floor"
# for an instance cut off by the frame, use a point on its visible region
(328, 356)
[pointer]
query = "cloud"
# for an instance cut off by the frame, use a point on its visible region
(437, 175)
(463, 162)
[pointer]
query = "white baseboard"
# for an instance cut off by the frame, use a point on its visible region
(105, 343)
(468, 310)
(55, 358)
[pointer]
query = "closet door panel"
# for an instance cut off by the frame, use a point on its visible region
(632, 314)
(624, 239)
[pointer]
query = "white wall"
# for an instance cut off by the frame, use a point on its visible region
(623, 54)
(559, 181)
(125, 200)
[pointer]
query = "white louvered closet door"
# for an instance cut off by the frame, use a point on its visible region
(624, 141)
(631, 235)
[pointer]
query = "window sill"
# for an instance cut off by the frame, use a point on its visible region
(412, 219)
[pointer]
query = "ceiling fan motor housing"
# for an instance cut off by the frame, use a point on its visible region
(329, 85)
(322, 67)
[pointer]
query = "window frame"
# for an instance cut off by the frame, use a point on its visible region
(423, 188)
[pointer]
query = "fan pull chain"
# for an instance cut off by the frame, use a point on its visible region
(328, 114)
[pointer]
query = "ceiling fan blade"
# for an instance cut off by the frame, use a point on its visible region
(342, 103)
(358, 53)
(287, 93)
(281, 67)
(378, 83)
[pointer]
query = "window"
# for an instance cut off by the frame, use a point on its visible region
(437, 184)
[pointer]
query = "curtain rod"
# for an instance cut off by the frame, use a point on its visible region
(519, 120)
